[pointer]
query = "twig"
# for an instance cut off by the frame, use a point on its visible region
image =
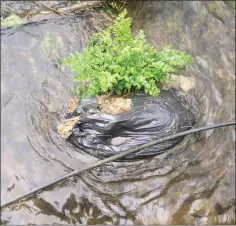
(73, 8)
(55, 11)
(30, 13)
(81, 5)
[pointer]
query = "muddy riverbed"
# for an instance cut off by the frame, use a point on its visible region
(194, 183)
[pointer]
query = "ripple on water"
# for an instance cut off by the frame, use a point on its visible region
(192, 184)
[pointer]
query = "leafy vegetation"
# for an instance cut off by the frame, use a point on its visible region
(12, 21)
(116, 61)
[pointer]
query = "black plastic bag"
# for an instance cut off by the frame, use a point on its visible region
(150, 118)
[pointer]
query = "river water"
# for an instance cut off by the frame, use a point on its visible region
(192, 184)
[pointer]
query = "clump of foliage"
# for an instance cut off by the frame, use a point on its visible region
(116, 61)
(12, 21)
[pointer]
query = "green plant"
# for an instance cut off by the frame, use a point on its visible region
(115, 61)
(12, 21)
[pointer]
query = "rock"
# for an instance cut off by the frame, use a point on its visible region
(73, 104)
(64, 129)
(183, 82)
(113, 104)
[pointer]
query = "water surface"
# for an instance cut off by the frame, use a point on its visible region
(191, 184)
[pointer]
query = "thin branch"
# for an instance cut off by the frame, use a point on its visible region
(70, 9)
(81, 5)
(55, 11)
